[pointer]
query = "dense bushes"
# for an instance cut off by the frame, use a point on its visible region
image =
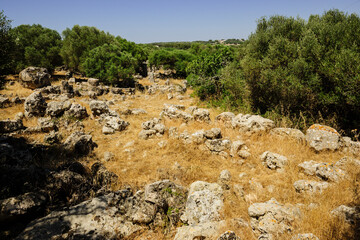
(174, 59)
(78, 41)
(36, 46)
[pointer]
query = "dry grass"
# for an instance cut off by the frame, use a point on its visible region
(144, 161)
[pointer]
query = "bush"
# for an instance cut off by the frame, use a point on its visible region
(78, 42)
(36, 46)
(7, 44)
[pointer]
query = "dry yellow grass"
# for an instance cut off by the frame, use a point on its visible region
(144, 161)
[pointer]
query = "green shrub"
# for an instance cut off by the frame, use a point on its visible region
(7, 43)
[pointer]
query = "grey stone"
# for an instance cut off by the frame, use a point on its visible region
(52, 138)
(93, 82)
(305, 236)
(228, 235)
(55, 109)
(175, 112)
(99, 107)
(273, 160)
(310, 186)
(218, 145)
(225, 118)
(35, 105)
(202, 115)
(113, 124)
(349, 214)
(34, 77)
(67, 89)
(77, 111)
(204, 203)
(252, 123)
(324, 171)
(288, 133)
(79, 143)
(322, 138)
(46, 124)
(4, 102)
(271, 218)
(214, 133)
(199, 231)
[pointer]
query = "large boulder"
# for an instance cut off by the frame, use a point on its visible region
(76, 111)
(34, 77)
(202, 115)
(35, 105)
(271, 218)
(204, 203)
(252, 123)
(98, 218)
(218, 145)
(57, 109)
(321, 138)
(290, 133)
(324, 171)
(175, 112)
(349, 214)
(225, 118)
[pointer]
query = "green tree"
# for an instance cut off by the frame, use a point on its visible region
(79, 41)
(36, 46)
(7, 44)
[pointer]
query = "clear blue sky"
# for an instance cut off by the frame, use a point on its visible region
(144, 21)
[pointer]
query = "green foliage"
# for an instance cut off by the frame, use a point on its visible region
(109, 63)
(79, 41)
(7, 44)
(291, 66)
(36, 46)
(173, 59)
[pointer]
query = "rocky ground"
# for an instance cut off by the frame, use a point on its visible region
(79, 160)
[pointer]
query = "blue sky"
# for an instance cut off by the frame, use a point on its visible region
(144, 21)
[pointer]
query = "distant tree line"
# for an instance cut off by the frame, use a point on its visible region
(290, 69)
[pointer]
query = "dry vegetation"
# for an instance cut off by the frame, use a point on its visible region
(138, 162)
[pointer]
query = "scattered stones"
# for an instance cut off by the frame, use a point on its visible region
(322, 138)
(113, 124)
(251, 123)
(34, 77)
(174, 112)
(310, 186)
(291, 133)
(151, 128)
(271, 218)
(35, 105)
(273, 161)
(99, 107)
(238, 148)
(204, 202)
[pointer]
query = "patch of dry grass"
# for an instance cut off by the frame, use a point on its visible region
(139, 162)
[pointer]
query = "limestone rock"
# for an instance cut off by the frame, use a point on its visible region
(204, 202)
(151, 128)
(324, 171)
(305, 236)
(251, 123)
(214, 133)
(77, 111)
(199, 231)
(93, 82)
(310, 186)
(57, 109)
(271, 218)
(228, 235)
(34, 77)
(349, 214)
(218, 145)
(321, 138)
(52, 138)
(46, 124)
(292, 133)
(113, 124)
(174, 112)
(202, 115)
(225, 118)
(273, 161)
(67, 89)
(79, 143)
(35, 105)
(99, 107)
